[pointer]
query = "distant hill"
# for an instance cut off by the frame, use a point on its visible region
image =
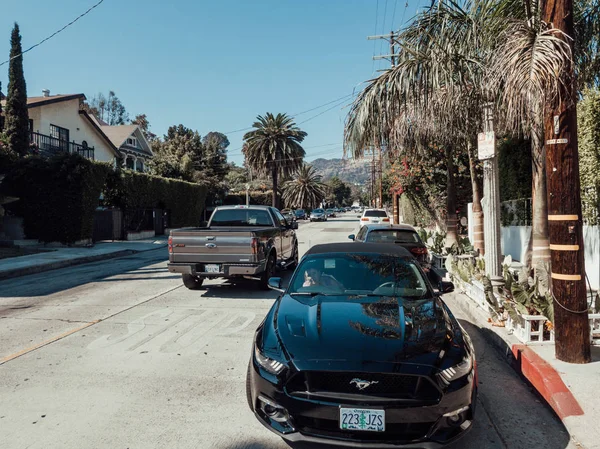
(350, 171)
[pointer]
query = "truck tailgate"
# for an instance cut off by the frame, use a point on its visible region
(213, 246)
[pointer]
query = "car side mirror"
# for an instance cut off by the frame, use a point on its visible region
(352, 237)
(275, 284)
(295, 225)
(446, 287)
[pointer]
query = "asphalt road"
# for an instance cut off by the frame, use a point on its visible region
(118, 354)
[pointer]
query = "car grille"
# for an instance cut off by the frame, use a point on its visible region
(339, 384)
(330, 428)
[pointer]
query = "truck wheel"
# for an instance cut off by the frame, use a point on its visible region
(264, 279)
(192, 282)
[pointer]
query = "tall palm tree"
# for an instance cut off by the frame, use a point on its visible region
(273, 147)
(305, 189)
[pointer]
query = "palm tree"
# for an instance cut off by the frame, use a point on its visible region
(455, 57)
(273, 147)
(305, 189)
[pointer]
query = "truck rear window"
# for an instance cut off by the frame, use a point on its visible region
(241, 217)
(375, 213)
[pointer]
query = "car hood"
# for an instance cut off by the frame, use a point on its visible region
(355, 332)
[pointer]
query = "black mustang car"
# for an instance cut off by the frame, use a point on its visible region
(359, 351)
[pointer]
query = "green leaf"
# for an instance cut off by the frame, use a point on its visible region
(519, 294)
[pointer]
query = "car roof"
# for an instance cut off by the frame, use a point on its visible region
(403, 227)
(362, 248)
(240, 206)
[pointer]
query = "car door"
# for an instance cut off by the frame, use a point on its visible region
(287, 236)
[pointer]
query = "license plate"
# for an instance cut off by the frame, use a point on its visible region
(374, 221)
(362, 419)
(213, 268)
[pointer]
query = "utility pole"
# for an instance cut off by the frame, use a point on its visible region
(491, 199)
(380, 178)
(565, 224)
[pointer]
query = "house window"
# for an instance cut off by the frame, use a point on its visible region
(132, 141)
(62, 136)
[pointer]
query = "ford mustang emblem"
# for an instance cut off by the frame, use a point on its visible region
(362, 384)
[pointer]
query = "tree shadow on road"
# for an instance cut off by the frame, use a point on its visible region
(54, 281)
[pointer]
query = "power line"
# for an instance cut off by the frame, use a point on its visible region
(394, 13)
(347, 96)
(375, 42)
(383, 28)
(53, 34)
(321, 113)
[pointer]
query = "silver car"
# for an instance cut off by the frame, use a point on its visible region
(318, 215)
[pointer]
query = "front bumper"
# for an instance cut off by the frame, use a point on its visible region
(227, 269)
(323, 418)
(321, 218)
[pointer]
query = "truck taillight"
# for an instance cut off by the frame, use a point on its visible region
(364, 219)
(385, 219)
(170, 245)
(254, 245)
(418, 251)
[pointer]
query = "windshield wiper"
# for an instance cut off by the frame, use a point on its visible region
(310, 294)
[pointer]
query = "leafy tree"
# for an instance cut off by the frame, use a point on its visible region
(141, 120)
(108, 109)
(273, 148)
(305, 189)
(1, 116)
(338, 192)
(588, 117)
(177, 155)
(17, 117)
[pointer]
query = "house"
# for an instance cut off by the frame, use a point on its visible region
(58, 124)
(134, 149)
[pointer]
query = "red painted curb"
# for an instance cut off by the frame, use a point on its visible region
(546, 381)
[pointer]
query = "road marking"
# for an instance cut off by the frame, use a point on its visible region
(47, 342)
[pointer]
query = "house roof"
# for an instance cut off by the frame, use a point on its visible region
(34, 102)
(118, 134)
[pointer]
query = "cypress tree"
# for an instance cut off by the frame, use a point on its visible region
(1, 116)
(17, 117)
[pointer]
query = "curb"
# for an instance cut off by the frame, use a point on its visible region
(547, 382)
(539, 373)
(18, 272)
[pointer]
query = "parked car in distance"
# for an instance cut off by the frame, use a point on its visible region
(300, 214)
(374, 216)
(239, 242)
(384, 363)
(330, 213)
(401, 234)
(318, 215)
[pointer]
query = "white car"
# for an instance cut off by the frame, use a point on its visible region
(374, 216)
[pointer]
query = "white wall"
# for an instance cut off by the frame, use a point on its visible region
(66, 115)
(516, 238)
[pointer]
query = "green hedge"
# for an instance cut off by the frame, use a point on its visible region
(58, 196)
(131, 190)
(257, 198)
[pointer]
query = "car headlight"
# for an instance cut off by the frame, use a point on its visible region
(457, 371)
(272, 366)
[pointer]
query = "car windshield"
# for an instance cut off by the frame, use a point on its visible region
(393, 236)
(375, 213)
(299, 212)
(241, 217)
(359, 274)
(318, 211)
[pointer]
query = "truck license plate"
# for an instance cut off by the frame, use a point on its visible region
(212, 268)
(362, 419)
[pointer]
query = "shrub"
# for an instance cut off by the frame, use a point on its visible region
(58, 196)
(132, 190)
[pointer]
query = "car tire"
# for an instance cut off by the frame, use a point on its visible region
(269, 269)
(192, 282)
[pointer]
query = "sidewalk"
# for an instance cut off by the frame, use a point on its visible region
(66, 257)
(571, 390)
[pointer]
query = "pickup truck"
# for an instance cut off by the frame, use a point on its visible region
(239, 242)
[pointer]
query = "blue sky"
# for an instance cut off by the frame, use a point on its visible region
(210, 65)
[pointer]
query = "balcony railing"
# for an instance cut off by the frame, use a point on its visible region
(49, 146)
